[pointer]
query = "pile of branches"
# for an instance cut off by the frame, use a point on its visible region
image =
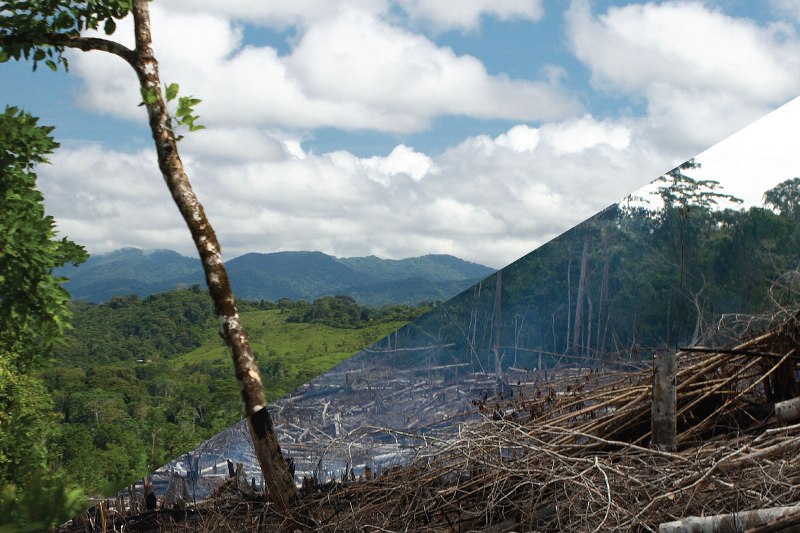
(574, 455)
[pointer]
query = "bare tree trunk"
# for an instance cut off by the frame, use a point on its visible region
(498, 302)
(279, 482)
(569, 302)
(600, 346)
(588, 348)
(663, 426)
(577, 330)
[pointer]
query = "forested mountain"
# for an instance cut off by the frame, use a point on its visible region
(293, 275)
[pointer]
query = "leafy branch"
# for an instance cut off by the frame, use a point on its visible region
(183, 116)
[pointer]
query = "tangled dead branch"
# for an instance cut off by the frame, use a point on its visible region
(573, 455)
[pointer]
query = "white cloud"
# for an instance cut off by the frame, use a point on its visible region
(443, 16)
(788, 7)
(107, 200)
(519, 139)
(402, 160)
(487, 199)
(277, 14)
(581, 134)
(350, 71)
(466, 14)
(704, 74)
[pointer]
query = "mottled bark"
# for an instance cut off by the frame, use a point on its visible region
(663, 422)
(279, 483)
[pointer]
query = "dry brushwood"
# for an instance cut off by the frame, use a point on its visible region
(578, 459)
(573, 455)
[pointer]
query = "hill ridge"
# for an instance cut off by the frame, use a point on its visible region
(295, 275)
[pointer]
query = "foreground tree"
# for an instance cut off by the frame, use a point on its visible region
(41, 30)
(33, 314)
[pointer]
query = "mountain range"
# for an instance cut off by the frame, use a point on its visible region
(272, 276)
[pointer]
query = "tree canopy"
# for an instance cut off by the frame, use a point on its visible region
(785, 198)
(34, 312)
(33, 305)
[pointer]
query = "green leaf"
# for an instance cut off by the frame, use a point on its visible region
(63, 21)
(149, 95)
(172, 91)
(51, 65)
(110, 26)
(4, 56)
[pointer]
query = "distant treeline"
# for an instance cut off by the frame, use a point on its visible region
(171, 323)
(636, 278)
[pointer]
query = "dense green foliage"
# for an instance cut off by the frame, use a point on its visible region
(140, 381)
(33, 304)
(344, 312)
(28, 24)
(130, 328)
(34, 313)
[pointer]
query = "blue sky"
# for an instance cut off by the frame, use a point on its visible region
(480, 128)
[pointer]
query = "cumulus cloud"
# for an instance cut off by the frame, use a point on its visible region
(488, 199)
(703, 73)
(787, 7)
(461, 15)
(351, 71)
(466, 14)
(106, 200)
(278, 14)
(351, 65)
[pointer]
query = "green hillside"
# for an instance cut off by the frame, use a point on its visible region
(288, 353)
(140, 381)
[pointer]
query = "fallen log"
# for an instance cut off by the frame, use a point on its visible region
(787, 410)
(728, 523)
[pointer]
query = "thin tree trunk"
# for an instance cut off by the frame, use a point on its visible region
(600, 347)
(569, 301)
(663, 423)
(498, 302)
(577, 329)
(279, 482)
(588, 348)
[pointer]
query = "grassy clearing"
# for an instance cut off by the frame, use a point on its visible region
(288, 354)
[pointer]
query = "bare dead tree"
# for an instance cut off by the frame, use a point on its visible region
(498, 304)
(577, 331)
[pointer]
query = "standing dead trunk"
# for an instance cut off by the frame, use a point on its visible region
(664, 423)
(577, 330)
(569, 302)
(280, 484)
(498, 302)
(600, 346)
